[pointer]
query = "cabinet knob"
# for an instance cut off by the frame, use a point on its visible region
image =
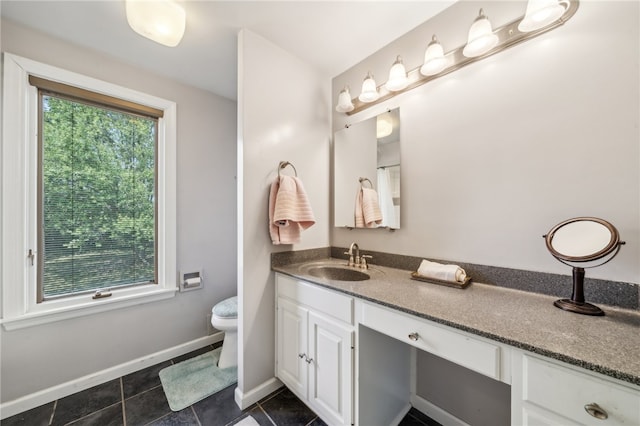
(302, 355)
(596, 411)
(413, 336)
(309, 360)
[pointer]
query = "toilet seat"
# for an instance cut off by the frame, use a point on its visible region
(227, 308)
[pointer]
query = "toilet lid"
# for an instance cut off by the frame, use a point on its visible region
(228, 308)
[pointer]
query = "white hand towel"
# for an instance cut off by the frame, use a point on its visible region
(289, 210)
(367, 212)
(429, 269)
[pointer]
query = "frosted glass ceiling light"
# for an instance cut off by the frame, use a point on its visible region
(369, 89)
(541, 13)
(397, 76)
(434, 60)
(162, 21)
(481, 37)
(344, 101)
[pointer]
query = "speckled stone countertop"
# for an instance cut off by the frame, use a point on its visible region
(608, 344)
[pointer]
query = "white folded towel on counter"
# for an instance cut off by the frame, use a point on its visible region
(439, 271)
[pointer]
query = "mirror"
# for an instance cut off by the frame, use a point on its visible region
(366, 159)
(581, 240)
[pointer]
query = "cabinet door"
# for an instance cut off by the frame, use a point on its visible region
(291, 367)
(330, 370)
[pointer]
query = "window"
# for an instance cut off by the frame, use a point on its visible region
(88, 176)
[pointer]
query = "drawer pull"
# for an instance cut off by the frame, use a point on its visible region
(302, 355)
(596, 411)
(413, 336)
(309, 360)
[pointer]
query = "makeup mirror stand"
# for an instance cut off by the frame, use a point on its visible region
(577, 303)
(582, 240)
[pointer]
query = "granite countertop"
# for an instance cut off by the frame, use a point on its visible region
(608, 344)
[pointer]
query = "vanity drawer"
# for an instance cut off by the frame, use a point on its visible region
(328, 302)
(442, 341)
(566, 392)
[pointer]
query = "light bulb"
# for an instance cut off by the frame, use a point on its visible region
(541, 13)
(434, 60)
(344, 101)
(397, 76)
(369, 89)
(481, 37)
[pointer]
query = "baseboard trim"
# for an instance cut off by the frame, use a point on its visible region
(246, 399)
(396, 421)
(36, 399)
(435, 412)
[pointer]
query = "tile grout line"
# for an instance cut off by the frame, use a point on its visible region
(193, 410)
(124, 414)
(53, 412)
(266, 414)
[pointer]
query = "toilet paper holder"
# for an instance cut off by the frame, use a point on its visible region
(191, 280)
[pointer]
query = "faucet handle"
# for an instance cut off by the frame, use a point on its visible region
(363, 260)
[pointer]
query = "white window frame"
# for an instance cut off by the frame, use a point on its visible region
(19, 201)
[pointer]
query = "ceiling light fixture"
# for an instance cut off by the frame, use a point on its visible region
(397, 76)
(541, 13)
(434, 60)
(369, 89)
(483, 42)
(162, 21)
(481, 37)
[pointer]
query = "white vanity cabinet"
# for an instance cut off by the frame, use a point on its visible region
(546, 392)
(314, 347)
(315, 358)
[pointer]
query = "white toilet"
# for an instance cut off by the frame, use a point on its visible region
(224, 317)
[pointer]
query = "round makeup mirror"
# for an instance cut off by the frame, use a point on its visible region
(582, 242)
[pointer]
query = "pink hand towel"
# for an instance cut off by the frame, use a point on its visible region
(289, 210)
(367, 214)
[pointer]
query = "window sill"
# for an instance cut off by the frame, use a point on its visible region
(90, 307)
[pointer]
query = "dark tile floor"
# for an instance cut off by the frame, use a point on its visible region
(138, 399)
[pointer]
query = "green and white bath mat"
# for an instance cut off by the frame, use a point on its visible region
(195, 379)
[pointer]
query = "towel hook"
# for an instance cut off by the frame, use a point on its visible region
(362, 180)
(284, 164)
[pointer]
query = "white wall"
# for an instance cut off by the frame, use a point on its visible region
(283, 114)
(39, 357)
(495, 154)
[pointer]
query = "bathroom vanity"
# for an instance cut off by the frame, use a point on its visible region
(348, 348)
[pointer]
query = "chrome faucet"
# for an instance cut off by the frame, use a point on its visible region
(352, 261)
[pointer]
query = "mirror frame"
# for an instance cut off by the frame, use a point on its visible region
(610, 247)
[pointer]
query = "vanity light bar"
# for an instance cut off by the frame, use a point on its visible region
(508, 35)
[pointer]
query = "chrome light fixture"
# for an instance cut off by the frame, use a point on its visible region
(481, 37)
(434, 60)
(397, 76)
(541, 13)
(162, 21)
(369, 89)
(541, 16)
(344, 101)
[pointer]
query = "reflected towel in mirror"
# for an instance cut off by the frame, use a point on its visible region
(289, 210)
(439, 271)
(367, 214)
